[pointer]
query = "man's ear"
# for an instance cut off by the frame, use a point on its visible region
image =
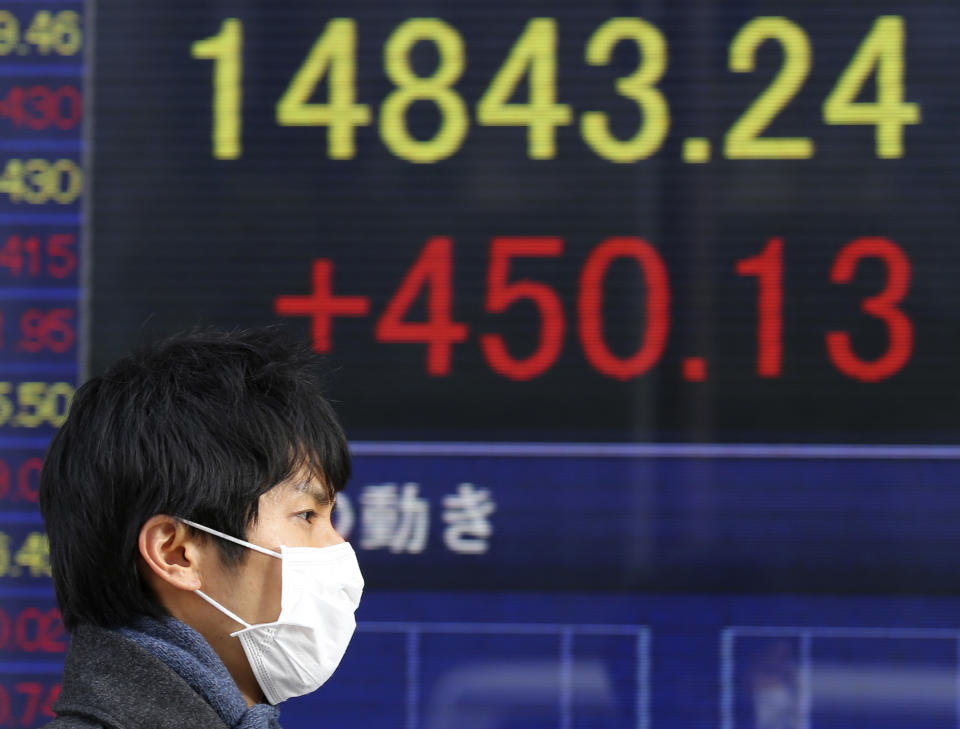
(170, 552)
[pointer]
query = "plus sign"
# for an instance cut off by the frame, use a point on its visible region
(322, 305)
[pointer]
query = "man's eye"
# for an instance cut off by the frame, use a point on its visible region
(307, 516)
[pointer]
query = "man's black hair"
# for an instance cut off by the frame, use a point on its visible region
(197, 426)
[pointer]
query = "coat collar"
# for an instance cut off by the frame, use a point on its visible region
(114, 681)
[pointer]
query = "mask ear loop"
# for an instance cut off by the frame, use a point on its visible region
(221, 608)
(230, 614)
(241, 542)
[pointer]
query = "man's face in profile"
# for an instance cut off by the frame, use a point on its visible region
(295, 513)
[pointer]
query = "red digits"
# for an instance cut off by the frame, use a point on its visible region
(52, 695)
(33, 691)
(33, 631)
(39, 632)
(433, 271)
(50, 330)
(768, 268)
(21, 255)
(54, 634)
(38, 699)
(883, 306)
(32, 327)
(322, 306)
(12, 106)
(40, 100)
(61, 258)
(11, 255)
(30, 617)
(28, 479)
(501, 295)
(590, 307)
(32, 248)
(67, 107)
(4, 479)
(40, 107)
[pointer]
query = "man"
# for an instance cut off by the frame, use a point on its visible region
(188, 502)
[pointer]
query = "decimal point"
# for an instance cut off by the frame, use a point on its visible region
(695, 369)
(696, 150)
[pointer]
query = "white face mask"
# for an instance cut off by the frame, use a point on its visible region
(320, 591)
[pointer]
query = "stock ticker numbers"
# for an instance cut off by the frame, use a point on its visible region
(41, 191)
(34, 405)
(430, 279)
(870, 91)
(26, 329)
(40, 107)
(539, 201)
(19, 478)
(30, 32)
(37, 257)
(25, 703)
(41, 181)
(24, 555)
(29, 629)
(35, 631)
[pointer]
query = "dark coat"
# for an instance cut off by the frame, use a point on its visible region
(111, 683)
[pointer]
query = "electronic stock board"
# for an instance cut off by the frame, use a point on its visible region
(639, 316)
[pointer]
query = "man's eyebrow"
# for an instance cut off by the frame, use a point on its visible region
(318, 491)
